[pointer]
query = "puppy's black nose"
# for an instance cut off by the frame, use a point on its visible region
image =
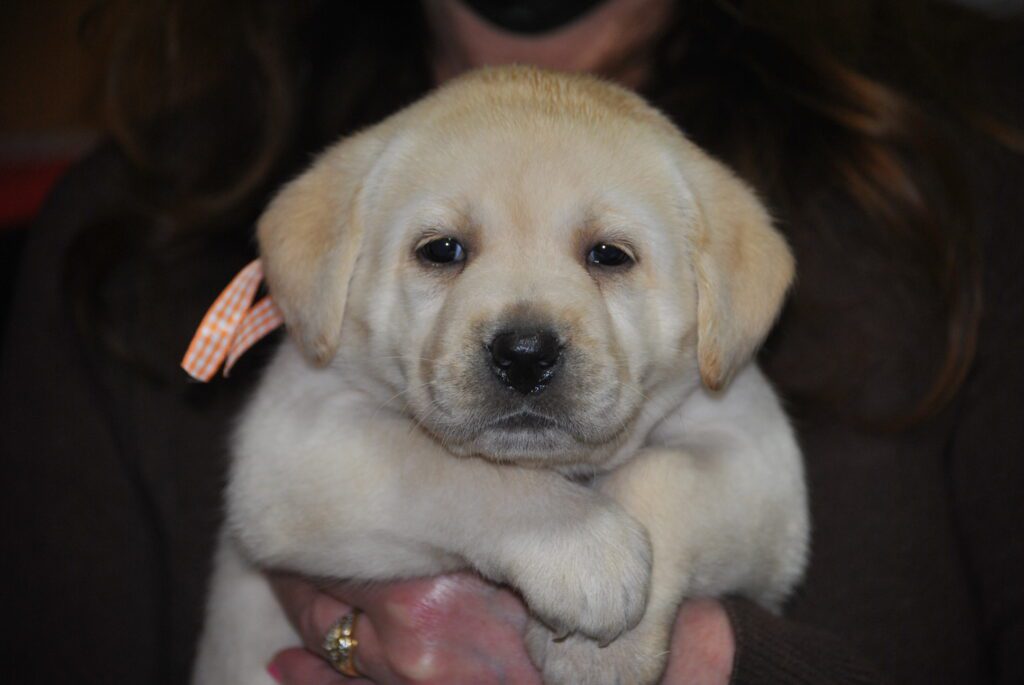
(525, 362)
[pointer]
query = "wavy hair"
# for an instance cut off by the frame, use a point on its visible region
(216, 103)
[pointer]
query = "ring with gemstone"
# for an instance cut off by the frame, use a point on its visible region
(340, 644)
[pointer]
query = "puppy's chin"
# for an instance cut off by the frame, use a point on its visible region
(528, 439)
(547, 446)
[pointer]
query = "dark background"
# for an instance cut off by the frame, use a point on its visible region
(51, 84)
(51, 107)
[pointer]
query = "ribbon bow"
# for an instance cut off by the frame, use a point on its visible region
(231, 326)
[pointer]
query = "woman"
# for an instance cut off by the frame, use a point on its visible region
(847, 117)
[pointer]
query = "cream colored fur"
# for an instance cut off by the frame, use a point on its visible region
(369, 450)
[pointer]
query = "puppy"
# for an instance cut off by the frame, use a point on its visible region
(521, 314)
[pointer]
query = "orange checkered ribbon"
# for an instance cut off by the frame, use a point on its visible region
(231, 326)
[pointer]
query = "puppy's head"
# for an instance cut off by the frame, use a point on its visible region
(532, 265)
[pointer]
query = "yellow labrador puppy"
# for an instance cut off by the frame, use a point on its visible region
(521, 314)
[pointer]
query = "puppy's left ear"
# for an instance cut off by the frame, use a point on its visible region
(743, 269)
(309, 239)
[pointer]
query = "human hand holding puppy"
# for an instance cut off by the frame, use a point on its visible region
(458, 628)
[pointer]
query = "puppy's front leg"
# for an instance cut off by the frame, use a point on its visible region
(653, 486)
(376, 498)
(726, 511)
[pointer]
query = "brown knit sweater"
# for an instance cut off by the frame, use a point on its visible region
(112, 477)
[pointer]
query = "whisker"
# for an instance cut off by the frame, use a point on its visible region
(638, 391)
(394, 397)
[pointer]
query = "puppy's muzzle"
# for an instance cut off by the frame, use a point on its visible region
(525, 362)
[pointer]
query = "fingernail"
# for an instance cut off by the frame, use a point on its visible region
(274, 671)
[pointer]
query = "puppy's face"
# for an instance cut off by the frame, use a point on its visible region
(520, 267)
(524, 277)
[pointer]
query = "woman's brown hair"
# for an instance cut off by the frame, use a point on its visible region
(216, 103)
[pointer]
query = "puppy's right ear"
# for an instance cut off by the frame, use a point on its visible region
(309, 239)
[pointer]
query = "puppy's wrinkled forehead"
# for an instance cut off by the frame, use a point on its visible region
(529, 165)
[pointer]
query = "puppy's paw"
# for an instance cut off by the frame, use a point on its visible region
(637, 657)
(592, 578)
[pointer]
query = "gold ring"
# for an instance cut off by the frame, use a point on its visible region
(340, 644)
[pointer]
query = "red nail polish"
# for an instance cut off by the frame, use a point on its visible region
(274, 671)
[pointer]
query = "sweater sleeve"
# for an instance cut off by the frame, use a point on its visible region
(82, 582)
(986, 459)
(772, 649)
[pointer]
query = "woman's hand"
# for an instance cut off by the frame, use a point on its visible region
(460, 629)
(449, 629)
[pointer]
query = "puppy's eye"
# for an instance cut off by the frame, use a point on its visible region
(442, 251)
(604, 254)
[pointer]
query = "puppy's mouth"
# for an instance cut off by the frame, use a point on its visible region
(524, 421)
(525, 434)
(571, 420)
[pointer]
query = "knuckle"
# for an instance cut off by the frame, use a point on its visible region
(423, 605)
(415, 666)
